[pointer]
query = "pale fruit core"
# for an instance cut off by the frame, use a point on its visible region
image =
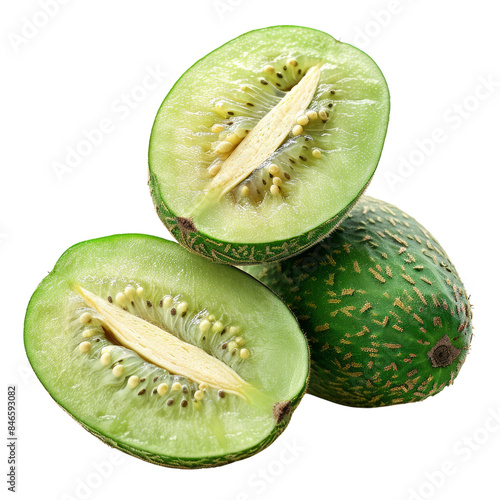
(164, 349)
(263, 140)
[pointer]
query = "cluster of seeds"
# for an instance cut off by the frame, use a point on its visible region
(282, 76)
(228, 141)
(232, 342)
(309, 116)
(243, 112)
(226, 341)
(275, 175)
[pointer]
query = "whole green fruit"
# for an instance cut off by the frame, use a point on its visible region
(385, 312)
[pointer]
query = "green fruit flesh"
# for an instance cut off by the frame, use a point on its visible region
(387, 317)
(233, 174)
(163, 354)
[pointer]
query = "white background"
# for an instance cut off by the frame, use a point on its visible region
(62, 79)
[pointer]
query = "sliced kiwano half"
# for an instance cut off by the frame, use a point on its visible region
(262, 146)
(163, 354)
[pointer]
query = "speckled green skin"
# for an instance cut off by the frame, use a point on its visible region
(386, 314)
(223, 252)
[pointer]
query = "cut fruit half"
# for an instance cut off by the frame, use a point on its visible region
(165, 355)
(261, 147)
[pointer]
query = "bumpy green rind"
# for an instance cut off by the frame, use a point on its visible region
(385, 312)
(223, 252)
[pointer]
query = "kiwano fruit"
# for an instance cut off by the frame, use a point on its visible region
(163, 354)
(383, 307)
(262, 146)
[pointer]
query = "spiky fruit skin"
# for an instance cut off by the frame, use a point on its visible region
(385, 312)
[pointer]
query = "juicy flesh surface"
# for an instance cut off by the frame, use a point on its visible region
(350, 141)
(89, 391)
(265, 137)
(163, 348)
